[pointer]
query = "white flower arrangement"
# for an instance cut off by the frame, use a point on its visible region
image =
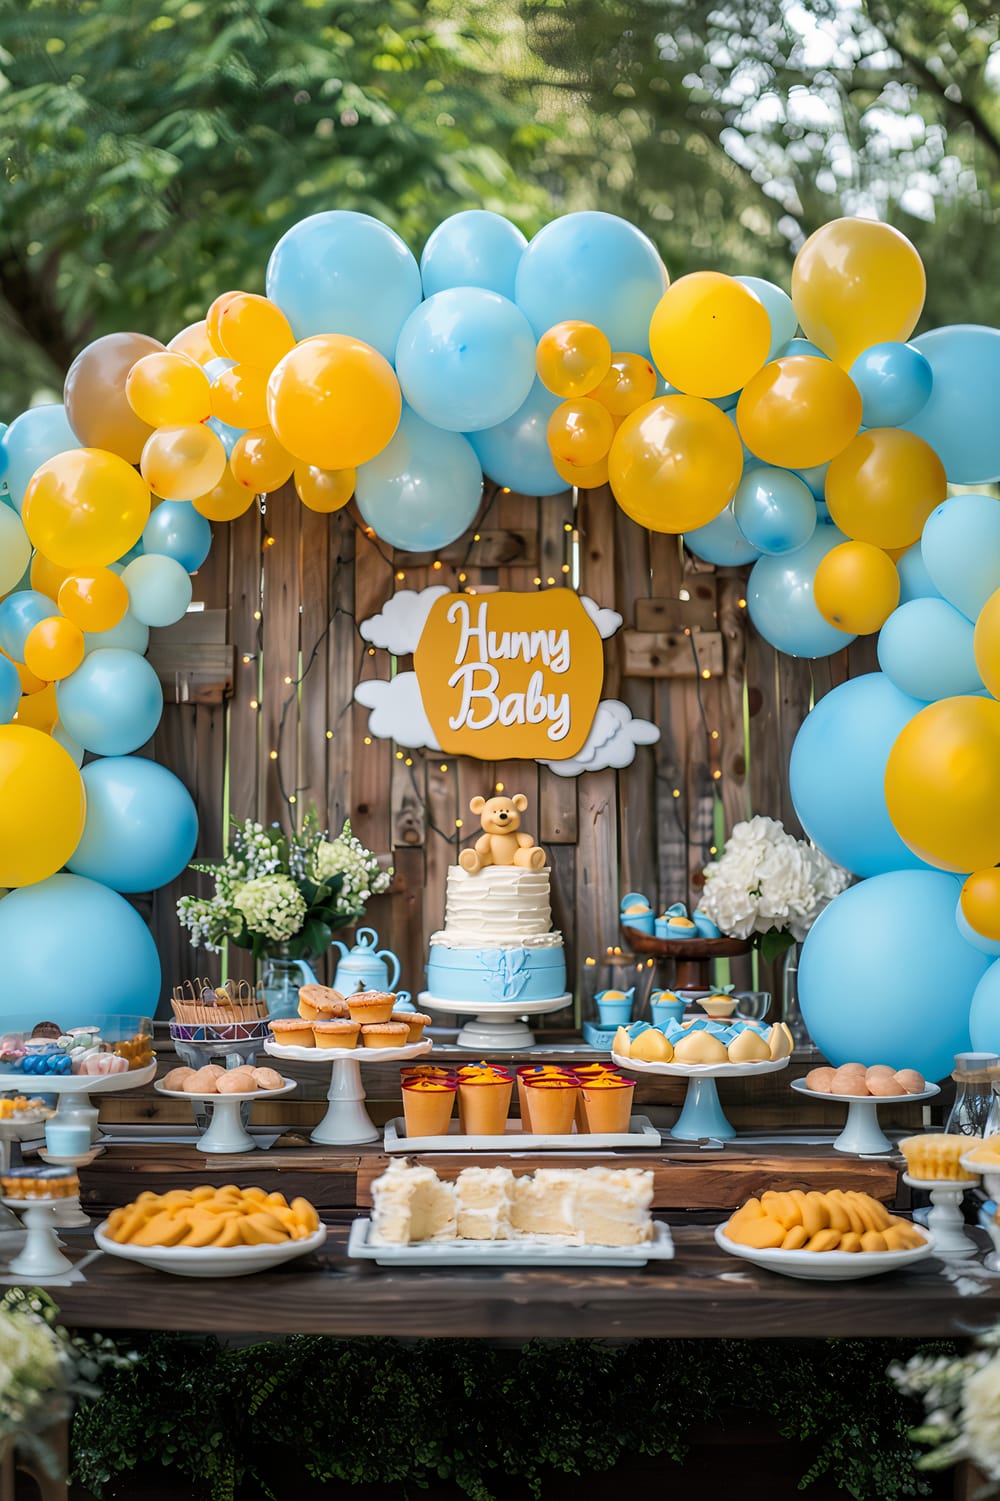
(769, 885)
(961, 1398)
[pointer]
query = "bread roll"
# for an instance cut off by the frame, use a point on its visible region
(236, 1081)
(202, 1081)
(176, 1078)
(819, 1079)
(849, 1079)
(912, 1082)
(267, 1078)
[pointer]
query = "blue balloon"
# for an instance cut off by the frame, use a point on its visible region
(35, 436)
(960, 546)
(781, 604)
(721, 542)
(128, 635)
(20, 612)
(72, 747)
(836, 774)
(141, 826)
(593, 266)
(516, 452)
(984, 945)
(75, 949)
(214, 368)
(340, 272)
(466, 359)
(815, 478)
(778, 305)
(959, 421)
(423, 490)
(895, 382)
(925, 647)
(10, 690)
(803, 346)
(774, 510)
(227, 436)
(159, 589)
(112, 703)
(475, 248)
(984, 1022)
(867, 992)
(178, 531)
(914, 580)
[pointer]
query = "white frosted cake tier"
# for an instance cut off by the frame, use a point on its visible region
(499, 906)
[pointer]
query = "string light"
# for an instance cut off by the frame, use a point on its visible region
(399, 755)
(248, 657)
(269, 541)
(462, 577)
(565, 568)
(368, 740)
(684, 594)
(256, 614)
(677, 792)
(499, 787)
(713, 849)
(742, 604)
(371, 651)
(458, 823)
(409, 761)
(293, 798)
(715, 734)
(504, 489)
(609, 949)
(567, 526)
(400, 576)
(550, 581)
(476, 537)
(288, 682)
(706, 672)
(436, 565)
(716, 776)
(254, 704)
(588, 961)
(329, 734)
(273, 755)
(444, 766)
(536, 581)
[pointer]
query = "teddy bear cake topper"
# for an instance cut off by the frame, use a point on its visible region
(503, 841)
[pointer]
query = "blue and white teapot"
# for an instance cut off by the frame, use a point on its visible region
(365, 966)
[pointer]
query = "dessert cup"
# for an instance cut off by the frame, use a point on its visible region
(483, 1104)
(537, 1071)
(551, 1105)
(607, 1105)
(428, 1105)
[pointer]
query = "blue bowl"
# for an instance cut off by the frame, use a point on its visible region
(615, 1013)
(665, 1011)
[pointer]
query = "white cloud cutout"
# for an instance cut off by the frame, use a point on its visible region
(397, 711)
(613, 738)
(607, 621)
(397, 628)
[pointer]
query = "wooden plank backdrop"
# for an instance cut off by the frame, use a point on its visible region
(260, 721)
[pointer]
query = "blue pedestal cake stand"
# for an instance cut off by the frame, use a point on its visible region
(702, 1116)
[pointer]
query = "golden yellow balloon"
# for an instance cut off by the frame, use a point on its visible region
(856, 587)
(213, 317)
(181, 462)
(239, 397)
(580, 431)
(53, 648)
(628, 385)
(798, 411)
(334, 402)
(675, 463)
(260, 462)
(709, 334)
(194, 342)
(42, 805)
(46, 576)
(254, 331)
(883, 486)
(40, 710)
(85, 508)
(942, 783)
(980, 899)
(324, 490)
(94, 601)
(226, 500)
(583, 476)
(986, 643)
(572, 357)
(856, 283)
(168, 390)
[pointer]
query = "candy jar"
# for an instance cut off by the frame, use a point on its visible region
(974, 1075)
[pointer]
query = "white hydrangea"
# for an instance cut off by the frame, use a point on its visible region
(29, 1363)
(981, 1417)
(767, 879)
(348, 857)
(271, 905)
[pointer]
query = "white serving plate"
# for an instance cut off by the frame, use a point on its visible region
(824, 1266)
(349, 1055)
(524, 1251)
(210, 1261)
(702, 1070)
(642, 1133)
(287, 1085)
(78, 1083)
(799, 1085)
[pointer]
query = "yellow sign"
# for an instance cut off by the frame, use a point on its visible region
(510, 676)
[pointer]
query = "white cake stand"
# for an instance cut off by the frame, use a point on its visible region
(40, 1256)
(74, 1091)
(862, 1135)
(226, 1131)
(346, 1122)
(702, 1116)
(497, 1026)
(945, 1222)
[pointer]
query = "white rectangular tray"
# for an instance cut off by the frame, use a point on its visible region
(525, 1251)
(642, 1133)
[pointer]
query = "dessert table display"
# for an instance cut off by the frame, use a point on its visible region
(346, 1121)
(702, 1116)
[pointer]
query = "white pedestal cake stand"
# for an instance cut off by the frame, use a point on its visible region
(346, 1122)
(40, 1257)
(862, 1135)
(703, 1116)
(226, 1131)
(498, 1026)
(945, 1222)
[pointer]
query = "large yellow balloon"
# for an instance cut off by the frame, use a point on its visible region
(260, 462)
(798, 411)
(226, 500)
(628, 385)
(986, 643)
(239, 397)
(942, 783)
(85, 508)
(580, 431)
(675, 463)
(334, 402)
(181, 462)
(709, 334)
(856, 587)
(39, 710)
(194, 342)
(168, 390)
(572, 358)
(53, 649)
(42, 805)
(883, 486)
(94, 601)
(324, 490)
(980, 901)
(856, 283)
(254, 331)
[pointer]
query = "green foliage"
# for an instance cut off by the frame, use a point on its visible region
(269, 1415)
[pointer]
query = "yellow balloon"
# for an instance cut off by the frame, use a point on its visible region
(572, 357)
(254, 331)
(583, 476)
(53, 649)
(675, 463)
(856, 283)
(709, 334)
(47, 576)
(194, 342)
(580, 431)
(39, 710)
(942, 783)
(334, 402)
(260, 462)
(798, 411)
(213, 331)
(883, 486)
(85, 508)
(324, 490)
(980, 901)
(181, 462)
(168, 390)
(628, 385)
(226, 500)
(239, 397)
(93, 601)
(856, 587)
(986, 643)
(42, 805)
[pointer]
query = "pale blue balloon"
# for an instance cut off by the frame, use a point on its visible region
(35, 436)
(141, 826)
(128, 635)
(214, 368)
(914, 580)
(72, 948)
(721, 542)
(985, 1018)
(112, 703)
(178, 531)
(778, 306)
(895, 382)
(20, 612)
(159, 589)
(774, 510)
(227, 436)
(815, 478)
(10, 690)
(466, 359)
(516, 453)
(781, 604)
(836, 774)
(803, 346)
(985, 945)
(423, 490)
(475, 248)
(341, 272)
(960, 419)
(72, 747)
(925, 647)
(867, 992)
(596, 267)
(960, 546)
(135, 551)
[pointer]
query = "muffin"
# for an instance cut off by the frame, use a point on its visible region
(931, 1157)
(341, 1033)
(320, 1003)
(384, 1034)
(415, 1022)
(292, 1032)
(370, 1006)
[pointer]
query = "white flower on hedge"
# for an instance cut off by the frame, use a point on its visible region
(982, 1417)
(29, 1363)
(765, 878)
(272, 906)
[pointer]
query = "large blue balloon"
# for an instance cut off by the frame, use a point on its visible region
(35, 436)
(475, 248)
(866, 987)
(914, 580)
(596, 267)
(836, 774)
(960, 546)
(72, 949)
(979, 941)
(112, 703)
(141, 826)
(721, 542)
(781, 604)
(774, 509)
(10, 690)
(959, 420)
(895, 382)
(128, 635)
(423, 490)
(925, 647)
(341, 272)
(985, 1018)
(778, 306)
(178, 531)
(20, 612)
(466, 359)
(159, 589)
(516, 452)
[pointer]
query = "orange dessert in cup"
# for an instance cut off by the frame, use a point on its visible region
(427, 1105)
(483, 1099)
(607, 1103)
(534, 1071)
(426, 1071)
(585, 1072)
(551, 1104)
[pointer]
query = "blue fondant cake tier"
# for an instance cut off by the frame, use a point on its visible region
(508, 974)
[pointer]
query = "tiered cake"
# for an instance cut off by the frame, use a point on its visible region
(497, 942)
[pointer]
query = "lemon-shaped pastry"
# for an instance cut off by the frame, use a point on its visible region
(652, 1047)
(780, 1041)
(698, 1047)
(749, 1047)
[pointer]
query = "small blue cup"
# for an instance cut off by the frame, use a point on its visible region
(615, 1012)
(666, 1011)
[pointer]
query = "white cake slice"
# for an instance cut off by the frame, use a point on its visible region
(483, 1199)
(543, 1204)
(612, 1206)
(411, 1204)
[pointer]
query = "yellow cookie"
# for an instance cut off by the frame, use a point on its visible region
(795, 1239)
(164, 1229)
(824, 1240)
(263, 1230)
(850, 1242)
(838, 1200)
(306, 1213)
(203, 1194)
(783, 1208)
(203, 1230)
(229, 1232)
(874, 1240)
(874, 1215)
(134, 1216)
(762, 1235)
(815, 1213)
